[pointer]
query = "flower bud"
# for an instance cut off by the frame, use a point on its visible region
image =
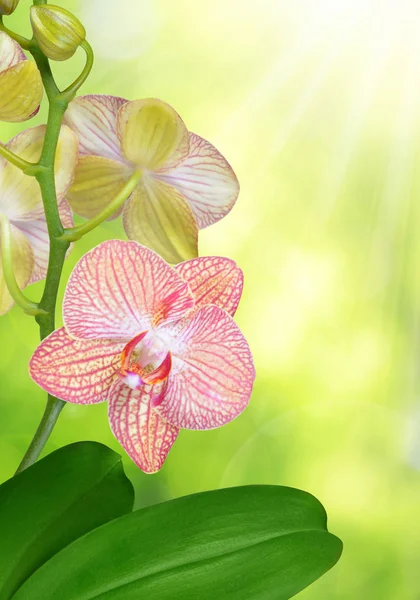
(57, 31)
(8, 6)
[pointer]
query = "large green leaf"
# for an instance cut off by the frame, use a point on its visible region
(63, 496)
(257, 542)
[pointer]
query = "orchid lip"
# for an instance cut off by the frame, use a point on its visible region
(134, 374)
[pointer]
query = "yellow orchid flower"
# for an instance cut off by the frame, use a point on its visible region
(20, 83)
(185, 183)
(21, 206)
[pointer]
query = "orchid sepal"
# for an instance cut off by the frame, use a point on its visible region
(21, 86)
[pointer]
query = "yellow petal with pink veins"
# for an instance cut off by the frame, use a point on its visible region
(93, 118)
(152, 134)
(159, 217)
(96, 183)
(20, 92)
(23, 264)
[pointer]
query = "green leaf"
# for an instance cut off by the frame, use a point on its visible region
(46, 507)
(256, 542)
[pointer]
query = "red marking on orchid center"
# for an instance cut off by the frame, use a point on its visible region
(141, 361)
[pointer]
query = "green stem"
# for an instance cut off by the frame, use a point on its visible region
(27, 167)
(58, 247)
(49, 419)
(75, 233)
(31, 308)
(22, 41)
(70, 92)
(44, 173)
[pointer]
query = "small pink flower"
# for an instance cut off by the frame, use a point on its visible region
(159, 343)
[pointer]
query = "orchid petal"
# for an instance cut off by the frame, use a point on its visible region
(119, 289)
(94, 120)
(23, 264)
(214, 280)
(212, 372)
(206, 180)
(36, 232)
(159, 217)
(20, 83)
(144, 435)
(77, 371)
(96, 183)
(152, 134)
(20, 196)
(10, 52)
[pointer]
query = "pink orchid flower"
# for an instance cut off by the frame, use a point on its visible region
(20, 82)
(185, 183)
(21, 204)
(159, 343)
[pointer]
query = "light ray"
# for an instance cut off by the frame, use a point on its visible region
(389, 237)
(349, 137)
(279, 74)
(313, 87)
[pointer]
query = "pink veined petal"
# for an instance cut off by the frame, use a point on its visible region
(36, 233)
(77, 371)
(206, 180)
(214, 280)
(212, 372)
(94, 119)
(10, 52)
(144, 435)
(119, 289)
(23, 264)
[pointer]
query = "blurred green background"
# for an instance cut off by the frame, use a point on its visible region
(316, 104)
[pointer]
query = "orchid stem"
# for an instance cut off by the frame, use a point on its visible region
(30, 308)
(75, 233)
(49, 419)
(58, 247)
(27, 167)
(70, 92)
(22, 41)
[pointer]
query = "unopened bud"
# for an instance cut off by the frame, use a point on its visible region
(8, 6)
(57, 31)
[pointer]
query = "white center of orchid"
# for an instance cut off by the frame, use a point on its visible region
(151, 351)
(133, 380)
(145, 360)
